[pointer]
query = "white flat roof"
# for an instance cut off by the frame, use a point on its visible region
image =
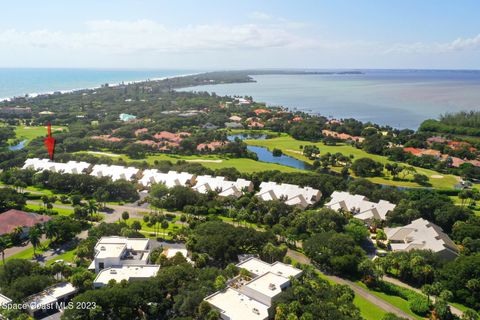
(51, 295)
(268, 284)
(126, 273)
(237, 306)
(259, 267)
(114, 246)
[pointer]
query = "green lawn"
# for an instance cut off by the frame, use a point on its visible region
(291, 147)
(61, 211)
(28, 252)
(29, 133)
(458, 202)
(397, 301)
(209, 161)
(172, 226)
(68, 256)
(368, 310)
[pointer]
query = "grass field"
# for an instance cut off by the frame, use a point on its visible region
(209, 161)
(61, 211)
(397, 301)
(29, 133)
(291, 147)
(458, 202)
(28, 252)
(368, 310)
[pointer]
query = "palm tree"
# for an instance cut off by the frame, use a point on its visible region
(3, 246)
(50, 230)
(92, 207)
(34, 238)
(16, 234)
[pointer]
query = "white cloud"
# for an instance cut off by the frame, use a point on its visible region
(460, 44)
(124, 37)
(260, 15)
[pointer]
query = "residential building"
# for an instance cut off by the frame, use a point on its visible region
(171, 252)
(16, 111)
(114, 172)
(13, 219)
(107, 138)
(224, 187)
(258, 267)
(48, 301)
(235, 118)
(423, 235)
(233, 125)
(170, 179)
(341, 136)
(360, 206)
(4, 301)
(120, 251)
(72, 167)
(141, 131)
(253, 297)
(128, 273)
(242, 101)
(289, 193)
(125, 117)
(211, 146)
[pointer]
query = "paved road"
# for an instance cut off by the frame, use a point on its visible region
(356, 288)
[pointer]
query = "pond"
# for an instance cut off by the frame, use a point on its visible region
(266, 155)
(18, 146)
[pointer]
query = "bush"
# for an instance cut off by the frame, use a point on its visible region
(419, 306)
(277, 152)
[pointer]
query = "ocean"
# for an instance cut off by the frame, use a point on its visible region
(18, 81)
(398, 98)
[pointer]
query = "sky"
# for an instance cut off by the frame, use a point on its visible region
(219, 35)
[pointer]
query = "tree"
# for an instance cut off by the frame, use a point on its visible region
(3, 247)
(421, 179)
(50, 230)
(92, 207)
(394, 169)
(336, 252)
(164, 225)
(136, 225)
(357, 230)
(311, 151)
(34, 235)
(366, 167)
(125, 215)
(220, 283)
(272, 253)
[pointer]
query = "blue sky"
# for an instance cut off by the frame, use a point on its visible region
(218, 34)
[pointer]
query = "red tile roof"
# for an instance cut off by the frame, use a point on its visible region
(413, 151)
(11, 219)
(211, 146)
(261, 111)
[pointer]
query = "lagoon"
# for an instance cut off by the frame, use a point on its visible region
(266, 155)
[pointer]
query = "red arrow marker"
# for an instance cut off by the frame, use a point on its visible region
(50, 142)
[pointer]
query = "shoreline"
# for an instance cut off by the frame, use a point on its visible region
(67, 91)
